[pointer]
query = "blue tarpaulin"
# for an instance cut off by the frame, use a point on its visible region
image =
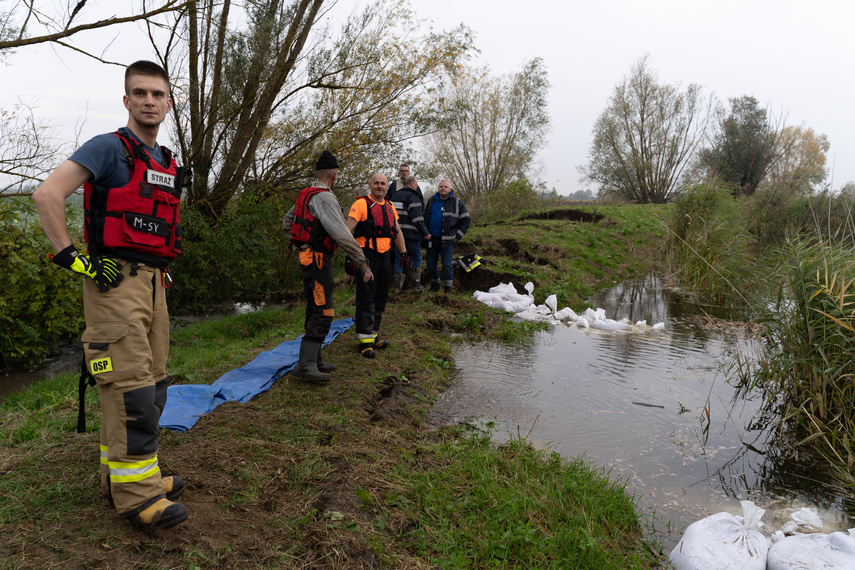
(186, 403)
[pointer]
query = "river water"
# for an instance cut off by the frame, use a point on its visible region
(654, 409)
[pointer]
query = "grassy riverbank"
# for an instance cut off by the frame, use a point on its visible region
(348, 475)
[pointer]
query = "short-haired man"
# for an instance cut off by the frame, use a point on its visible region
(448, 221)
(374, 222)
(132, 188)
(317, 228)
(401, 182)
(410, 210)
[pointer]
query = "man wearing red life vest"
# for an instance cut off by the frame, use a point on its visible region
(374, 222)
(132, 188)
(317, 228)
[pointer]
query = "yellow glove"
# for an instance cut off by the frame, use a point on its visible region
(105, 271)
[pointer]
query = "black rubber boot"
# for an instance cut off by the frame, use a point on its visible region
(306, 368)
(434, 286)
(400, 278)
(416, 280)
(325, 367)
(446, 289)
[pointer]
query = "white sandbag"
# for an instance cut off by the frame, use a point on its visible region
(552, 303)
(610, 325)
(641, 323)
(583, 323)
(807, 519)
(542, 309)
(723, 542)
(486, 298)
(659, 327)
(503, 289)
(813, 552)
(529, 287)
(531, 315)
(517, 298)
(566, 314)
(510, 306)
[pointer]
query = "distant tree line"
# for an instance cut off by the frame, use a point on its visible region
(653, 141)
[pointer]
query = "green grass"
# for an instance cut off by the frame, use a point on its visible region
(518, 506)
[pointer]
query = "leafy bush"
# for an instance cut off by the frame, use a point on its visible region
(41, 304)
(241, 257)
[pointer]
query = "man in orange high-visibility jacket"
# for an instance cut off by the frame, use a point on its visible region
(374, 222)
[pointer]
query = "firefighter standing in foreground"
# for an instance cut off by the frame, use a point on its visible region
(132, 188)
(317, 228)
(374, 222)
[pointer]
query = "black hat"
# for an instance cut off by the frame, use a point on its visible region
(327, 161)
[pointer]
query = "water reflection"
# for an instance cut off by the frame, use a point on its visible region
(654, 409)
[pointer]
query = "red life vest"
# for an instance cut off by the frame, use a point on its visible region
(308, 230)
(380, 222)
(139, 221)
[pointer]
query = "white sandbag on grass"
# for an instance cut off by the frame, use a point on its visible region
(723, 542)
(552, 303)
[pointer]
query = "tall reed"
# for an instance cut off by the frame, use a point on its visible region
(808, 373)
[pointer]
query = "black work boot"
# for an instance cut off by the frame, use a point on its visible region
(380, 343)
(306, 368)
(446, 289)
(162, 514)
(366, 349)
(434, 286)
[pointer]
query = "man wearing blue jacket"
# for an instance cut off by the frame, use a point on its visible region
(447, 221)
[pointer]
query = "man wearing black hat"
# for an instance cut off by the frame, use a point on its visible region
(317, 228)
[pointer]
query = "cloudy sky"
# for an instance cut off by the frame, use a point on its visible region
(795, 57)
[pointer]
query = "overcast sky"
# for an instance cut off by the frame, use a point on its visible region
(793, 56)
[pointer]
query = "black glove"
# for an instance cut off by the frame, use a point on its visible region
(405, 263)
(106, 271)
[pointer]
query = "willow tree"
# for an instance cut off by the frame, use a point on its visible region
(267, 87)
(646, 137)
(494, 128)
(744, 147)
(799, 165)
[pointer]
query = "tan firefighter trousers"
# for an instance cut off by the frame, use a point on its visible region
(126, 344)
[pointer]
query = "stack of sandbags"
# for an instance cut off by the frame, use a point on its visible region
(505, 297)
(724, 541)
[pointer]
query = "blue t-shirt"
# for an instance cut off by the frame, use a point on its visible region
(104, 156)
(436, 211)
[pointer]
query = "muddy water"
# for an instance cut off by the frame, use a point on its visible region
(653, 409)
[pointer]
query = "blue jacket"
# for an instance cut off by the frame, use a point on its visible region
(455, 217)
